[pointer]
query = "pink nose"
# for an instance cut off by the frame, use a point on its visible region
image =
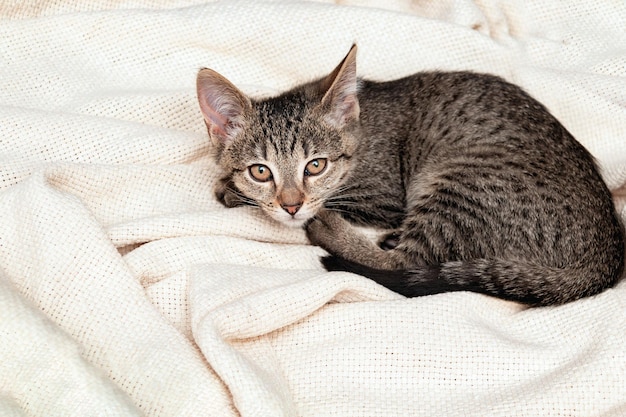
(291, 208)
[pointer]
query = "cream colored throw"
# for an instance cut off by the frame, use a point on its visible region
(127, 290)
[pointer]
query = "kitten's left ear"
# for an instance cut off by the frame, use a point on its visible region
(340, 101)
(223, 106)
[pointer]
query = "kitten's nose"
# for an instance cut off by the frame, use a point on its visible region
(291, 200)
(291, 208)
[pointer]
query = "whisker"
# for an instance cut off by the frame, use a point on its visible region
(341, 204)
(243, 198)
(338, 210)
(354, 215)
(339, 195)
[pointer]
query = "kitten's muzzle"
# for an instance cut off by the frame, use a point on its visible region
(291, 200)
(291, 209)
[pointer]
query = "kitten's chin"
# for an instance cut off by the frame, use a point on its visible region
(294, 223)
(288, 220)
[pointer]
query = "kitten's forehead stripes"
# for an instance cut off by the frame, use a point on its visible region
(280, 120)
(263, 146)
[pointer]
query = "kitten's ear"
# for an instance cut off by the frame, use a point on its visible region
(340, 101)
(223, 106)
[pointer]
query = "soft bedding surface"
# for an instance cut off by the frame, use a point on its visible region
(127, 290)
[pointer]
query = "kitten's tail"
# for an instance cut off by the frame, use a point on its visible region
(507, 279)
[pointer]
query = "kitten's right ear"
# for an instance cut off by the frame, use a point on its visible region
(223, 106)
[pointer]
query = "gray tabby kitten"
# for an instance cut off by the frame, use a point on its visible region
(480, 187)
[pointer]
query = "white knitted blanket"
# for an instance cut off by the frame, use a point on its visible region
(126, 289)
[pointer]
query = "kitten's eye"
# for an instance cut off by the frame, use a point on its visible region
(260, 172)
(315, 167)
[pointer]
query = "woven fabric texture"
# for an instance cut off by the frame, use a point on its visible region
(126, 289)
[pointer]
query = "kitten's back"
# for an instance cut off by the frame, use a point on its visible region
(499, 197)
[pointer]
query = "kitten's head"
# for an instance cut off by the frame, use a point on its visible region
(286, 154)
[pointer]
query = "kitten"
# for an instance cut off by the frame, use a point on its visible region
(480, 187)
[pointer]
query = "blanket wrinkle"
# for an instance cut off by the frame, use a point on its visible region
(66, 283)
(239, 315)
(48, 365)
(127, 289)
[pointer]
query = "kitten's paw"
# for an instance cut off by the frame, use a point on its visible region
(350, 250)
(325, 229)
(390, 241)
(330, 231)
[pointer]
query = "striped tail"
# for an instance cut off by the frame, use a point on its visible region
(526, 283)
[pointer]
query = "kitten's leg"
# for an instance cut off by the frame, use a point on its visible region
(390, 240)
(338, 237)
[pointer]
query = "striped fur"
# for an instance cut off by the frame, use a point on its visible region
(482, 188)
